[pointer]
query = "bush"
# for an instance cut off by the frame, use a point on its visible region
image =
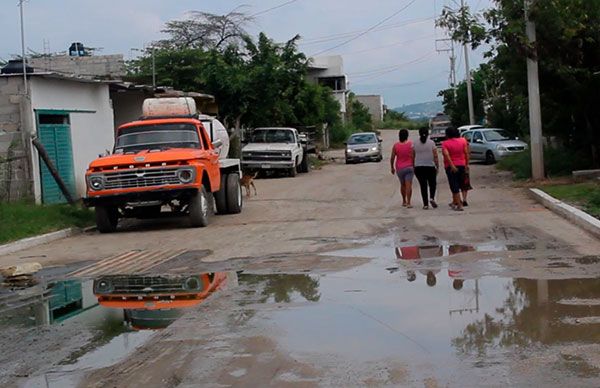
(557, 162)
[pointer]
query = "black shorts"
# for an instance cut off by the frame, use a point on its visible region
(456, 179)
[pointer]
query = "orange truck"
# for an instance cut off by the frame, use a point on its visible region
(172, 161)
(153, 302)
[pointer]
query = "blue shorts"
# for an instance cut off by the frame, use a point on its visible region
(406, 174)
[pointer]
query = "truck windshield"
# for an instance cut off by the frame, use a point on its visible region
(157, 137)
(272, 136)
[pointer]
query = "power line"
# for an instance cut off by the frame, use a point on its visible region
(328, 38)
(402, 85)
(397, 67)
(368, 29)
(273, 8)
(389, 45)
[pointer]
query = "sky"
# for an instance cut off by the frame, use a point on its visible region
(398, 59)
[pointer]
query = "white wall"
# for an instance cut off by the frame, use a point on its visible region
(91, 133)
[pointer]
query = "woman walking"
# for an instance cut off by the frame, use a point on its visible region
(426, 168)
(402, 165)
(456, 162)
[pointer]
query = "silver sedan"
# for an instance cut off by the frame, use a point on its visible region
(363, 147)
(492, 144)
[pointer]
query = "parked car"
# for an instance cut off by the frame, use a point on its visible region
(466, 128)
(364, 146)
(492, 144)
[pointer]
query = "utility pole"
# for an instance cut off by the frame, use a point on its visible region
(153, 69)
(452, 79)
(23, 60)
(535, 110)
(468, 71)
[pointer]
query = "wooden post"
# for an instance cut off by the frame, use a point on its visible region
(46, 158)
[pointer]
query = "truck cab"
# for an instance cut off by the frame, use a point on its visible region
(165, 163)
(275, 148)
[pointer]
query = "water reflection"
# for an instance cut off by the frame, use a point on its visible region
(154, 302)
(283, 288)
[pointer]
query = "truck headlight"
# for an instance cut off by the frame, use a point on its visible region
(185, 175)
(96, 182)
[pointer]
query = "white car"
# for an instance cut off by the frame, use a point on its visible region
(492, 144)
(466, 128)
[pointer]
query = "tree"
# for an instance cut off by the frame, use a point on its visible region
(568, 49)
(205, 30)
(358, 114)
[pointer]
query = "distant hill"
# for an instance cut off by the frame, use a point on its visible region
(423, 110)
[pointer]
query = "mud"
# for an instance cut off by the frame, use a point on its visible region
(323, 280)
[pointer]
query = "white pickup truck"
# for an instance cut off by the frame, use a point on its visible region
(271, 149)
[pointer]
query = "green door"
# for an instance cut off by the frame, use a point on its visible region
(56, 139)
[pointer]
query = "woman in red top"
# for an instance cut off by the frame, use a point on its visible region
(402, 164)
(456, 161)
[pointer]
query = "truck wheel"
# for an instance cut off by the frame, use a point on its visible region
(293, 170)
(221, 196)
(305, 165)
(199, 209)
(234, 194)
(107, 218)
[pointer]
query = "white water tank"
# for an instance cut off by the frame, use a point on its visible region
(169, 106)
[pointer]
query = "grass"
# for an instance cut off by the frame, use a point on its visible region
(558, 162)
(23, 219)
(317, 163)
(583, 195)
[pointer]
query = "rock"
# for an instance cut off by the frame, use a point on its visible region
(20, 269)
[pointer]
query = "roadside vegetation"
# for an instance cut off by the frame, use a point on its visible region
(567, 49)
(583, 195)
(24, 219)
(398, 120)
(557, 162)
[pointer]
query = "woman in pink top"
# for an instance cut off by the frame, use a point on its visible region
(456, 161)
(402, 164)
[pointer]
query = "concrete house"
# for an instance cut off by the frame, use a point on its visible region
(72, 117)
(374, 104)
(329, 71)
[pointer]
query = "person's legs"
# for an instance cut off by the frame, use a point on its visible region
(408, 183)
(432, 180)
(402, 187)
(454, 182)
(421, 173)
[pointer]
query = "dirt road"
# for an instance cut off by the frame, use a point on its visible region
(341, 286)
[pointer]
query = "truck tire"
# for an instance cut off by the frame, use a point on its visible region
(234, 194)
(221, 196)
(305, 165)
(199, 209)
(293, 170)
(107, 218)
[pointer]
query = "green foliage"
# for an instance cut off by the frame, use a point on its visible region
(557, 161)
(22, 219)
(586, 195)
(568, 43)
(262, 83)
(358, 115)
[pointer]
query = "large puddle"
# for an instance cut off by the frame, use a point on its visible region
(409, 304)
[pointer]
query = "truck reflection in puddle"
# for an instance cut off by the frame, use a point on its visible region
(154, 302)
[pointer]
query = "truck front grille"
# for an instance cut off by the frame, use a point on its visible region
(267, 156)
(141, 178)
(139, 285)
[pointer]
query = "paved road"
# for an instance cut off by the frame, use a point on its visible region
(325, 297)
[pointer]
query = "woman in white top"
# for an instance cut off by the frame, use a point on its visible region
(426, 167)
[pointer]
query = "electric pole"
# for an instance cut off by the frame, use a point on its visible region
(452, 79)
(535, 110)
(468, 71)
(23, 60)
(153, 69)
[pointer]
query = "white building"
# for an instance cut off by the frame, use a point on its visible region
(329, 71)
(72, 117)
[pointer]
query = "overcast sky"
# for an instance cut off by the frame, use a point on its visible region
(397, 60)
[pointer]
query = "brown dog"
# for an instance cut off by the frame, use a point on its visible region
(247, 180)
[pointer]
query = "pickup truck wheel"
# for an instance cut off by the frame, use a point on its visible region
(234, 194)
(199, 209)
(107, 218)
(305, 165)
(221, 196)
(293, 170)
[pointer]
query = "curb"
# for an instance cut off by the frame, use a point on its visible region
(576, 216)
(35, 241)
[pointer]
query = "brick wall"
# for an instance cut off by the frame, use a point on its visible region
(15, 178)
(111, 66)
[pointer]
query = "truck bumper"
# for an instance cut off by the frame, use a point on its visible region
(142, 196)
(251, 165)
